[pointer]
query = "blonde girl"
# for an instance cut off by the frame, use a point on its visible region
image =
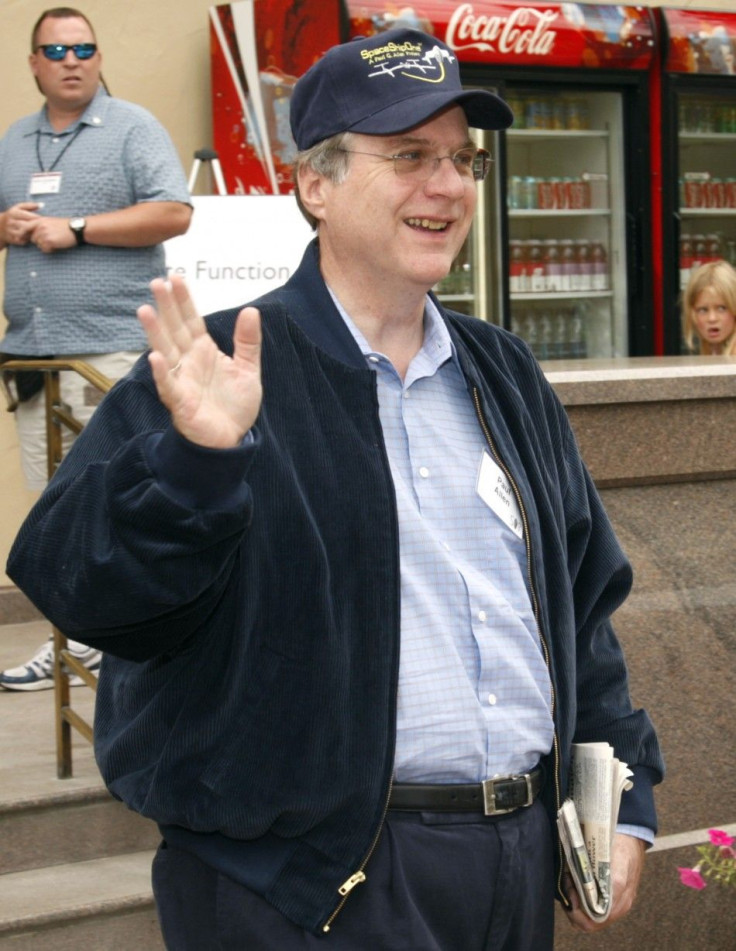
(709, 309)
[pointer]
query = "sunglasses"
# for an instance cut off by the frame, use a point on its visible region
(57, 51)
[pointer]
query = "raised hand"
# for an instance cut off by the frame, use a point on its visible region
(213, 399)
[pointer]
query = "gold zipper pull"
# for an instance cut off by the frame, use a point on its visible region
(350, 884)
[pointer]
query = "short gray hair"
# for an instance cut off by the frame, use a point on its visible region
(327, 158)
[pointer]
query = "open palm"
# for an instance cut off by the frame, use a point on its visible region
(213, 398)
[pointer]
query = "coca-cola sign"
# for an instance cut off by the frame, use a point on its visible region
(527, 34)
(524, 30)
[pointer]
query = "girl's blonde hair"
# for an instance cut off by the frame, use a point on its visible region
(720, 277)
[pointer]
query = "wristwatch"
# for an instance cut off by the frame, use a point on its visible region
(78, 225)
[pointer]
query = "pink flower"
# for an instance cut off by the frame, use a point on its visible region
(719, 837)
(692, 878)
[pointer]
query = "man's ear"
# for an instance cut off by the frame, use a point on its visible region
(312, 187)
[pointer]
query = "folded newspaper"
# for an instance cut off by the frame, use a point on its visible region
(587, 822)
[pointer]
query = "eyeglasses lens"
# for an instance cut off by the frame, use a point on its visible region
(421, 165)
(57, 51)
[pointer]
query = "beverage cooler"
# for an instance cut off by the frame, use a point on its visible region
(560, 249)
(699, 149)
(560, 252)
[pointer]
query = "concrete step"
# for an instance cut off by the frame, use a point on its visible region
(75, 864)
(104, 904)
(70, 828)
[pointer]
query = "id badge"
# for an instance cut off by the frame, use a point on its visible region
(498, 494)
(45, 183)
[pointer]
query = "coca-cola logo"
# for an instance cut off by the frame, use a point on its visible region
(525, 30)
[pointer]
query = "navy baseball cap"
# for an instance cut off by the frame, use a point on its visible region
(383, 85)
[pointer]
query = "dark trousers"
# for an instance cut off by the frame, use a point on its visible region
(456, 882)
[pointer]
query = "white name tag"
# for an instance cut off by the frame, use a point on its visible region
(45, 183)
(496, 491)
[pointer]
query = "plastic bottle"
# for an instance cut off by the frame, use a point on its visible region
(517, 267)
(545, 336)
(531, 332)
(584, 265)
(537, 277)
(552, 266)
(569, 264)
(699, 250)
(713, 251)
(560, 335)
(599, 258)
(686, 259)
(576, 333)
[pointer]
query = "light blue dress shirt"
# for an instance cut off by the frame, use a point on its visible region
(474, 691)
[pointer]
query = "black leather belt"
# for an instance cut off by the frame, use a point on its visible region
(492, 797)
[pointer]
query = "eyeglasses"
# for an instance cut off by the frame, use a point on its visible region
(57, 51)
(421, 164)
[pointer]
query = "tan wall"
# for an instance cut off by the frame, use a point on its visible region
(156, 54)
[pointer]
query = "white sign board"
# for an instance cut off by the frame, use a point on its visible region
(238, 247)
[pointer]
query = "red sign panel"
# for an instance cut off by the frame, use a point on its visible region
(701, 41)
(258, 51)
(521, 34)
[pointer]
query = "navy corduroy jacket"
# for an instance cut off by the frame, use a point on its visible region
(247, 601)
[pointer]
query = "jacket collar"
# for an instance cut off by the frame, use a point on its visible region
(310, 305)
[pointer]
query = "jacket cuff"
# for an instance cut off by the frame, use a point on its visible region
(199, 477)
(637, 805)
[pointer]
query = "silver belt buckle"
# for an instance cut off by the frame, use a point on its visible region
(489, 794)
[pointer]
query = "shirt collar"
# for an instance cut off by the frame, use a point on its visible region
(93, 115)
(437, 346)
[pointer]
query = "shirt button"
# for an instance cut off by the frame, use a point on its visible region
(55, 141)
(482, 616)
(96, 120)
(373, 358)
(492, 699)
(39, 310)
(33, 274)
(424, 472)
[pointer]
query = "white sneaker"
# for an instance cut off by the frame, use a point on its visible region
(38, 673)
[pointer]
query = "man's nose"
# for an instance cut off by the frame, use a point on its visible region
(446, 176)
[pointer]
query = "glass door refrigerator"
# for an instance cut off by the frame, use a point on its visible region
(568, 230)
(559, 253)
(699, 151)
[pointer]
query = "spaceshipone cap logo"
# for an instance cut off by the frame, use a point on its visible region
(384, 85)
(409, 60)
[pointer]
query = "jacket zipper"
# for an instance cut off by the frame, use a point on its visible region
(535, 607)
(357, 878)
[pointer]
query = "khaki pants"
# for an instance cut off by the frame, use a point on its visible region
(80, 396)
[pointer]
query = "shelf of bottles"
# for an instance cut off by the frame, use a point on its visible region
(562, 174)
(707, 182)
(457, 290)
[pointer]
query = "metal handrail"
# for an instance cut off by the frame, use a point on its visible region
(58, 416)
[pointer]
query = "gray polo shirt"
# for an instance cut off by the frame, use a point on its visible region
(84, 300)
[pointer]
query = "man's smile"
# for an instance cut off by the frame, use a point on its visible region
(427, 224)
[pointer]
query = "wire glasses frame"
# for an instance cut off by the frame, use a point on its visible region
(421, 164)
(57, 51)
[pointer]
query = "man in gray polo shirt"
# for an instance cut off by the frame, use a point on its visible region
(90, 187)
